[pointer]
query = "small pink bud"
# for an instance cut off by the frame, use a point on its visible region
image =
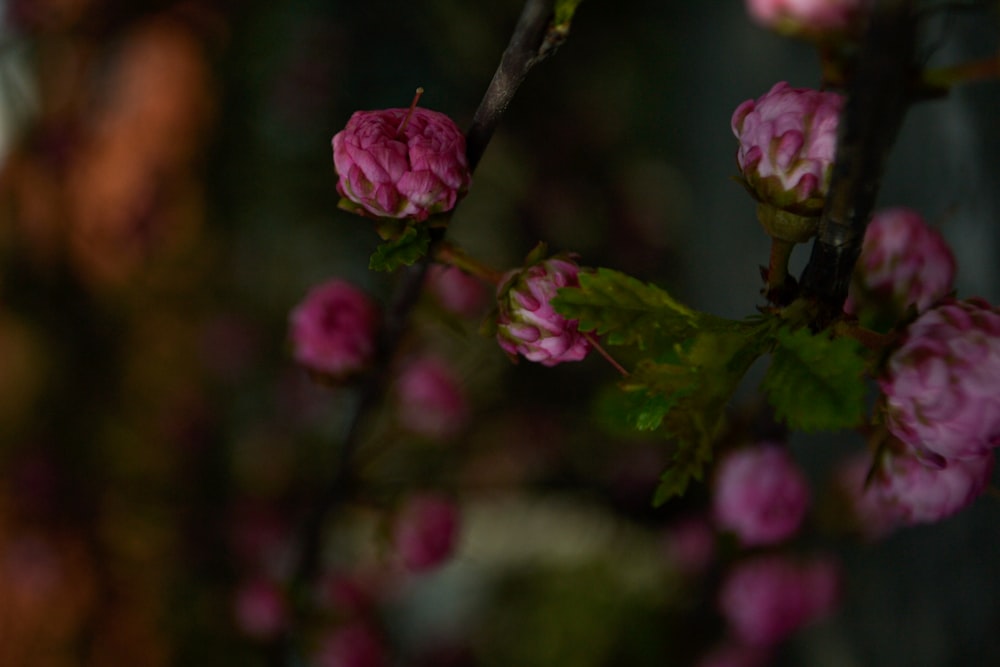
(401, 163)
(431, 402)
(260, 609)
(528, 325)
(942, 385)
(426, 532)
(874, 515)
(788, 138)
(353, 645)
(923, 494)
(808, 17)
(689, 544)
(768, 598)
(904, 262)
(733, 654)
(333, 329)
(760, 494)
(456, 290)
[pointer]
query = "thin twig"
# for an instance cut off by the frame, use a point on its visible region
(530, 43)
(527, 47)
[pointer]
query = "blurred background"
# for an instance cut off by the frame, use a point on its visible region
(167, 197)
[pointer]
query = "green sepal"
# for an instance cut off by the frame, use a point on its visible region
(816, 382)
(401, 251)
(391, 229)
(346, 204)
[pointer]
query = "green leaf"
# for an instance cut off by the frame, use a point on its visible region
(626, 311)
(688, 400)
(686, 464)
(403, 251)
(816, 382)
(564, 11)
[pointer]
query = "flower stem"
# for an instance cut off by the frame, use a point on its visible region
(872, 340)
(452, 255)
(604, 353)
(976, 70)
(777, 268)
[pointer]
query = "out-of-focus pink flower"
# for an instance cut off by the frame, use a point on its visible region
(333, 329)
(788, 139)
(759, 494)
(689, 544)
(808, 17)
(353, 645)
(904, 262)
(923, 494)
(456, 290)
(528, 325)
(768, 598)
(426, 531)
(431, 402)
(942, 386)
(875, 516)
(733, 654)
(260, 608)
(412, 172)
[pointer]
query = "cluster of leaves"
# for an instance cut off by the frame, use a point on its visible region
(690, 363)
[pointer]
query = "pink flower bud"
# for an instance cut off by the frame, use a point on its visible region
(736, 655)
(788, 138)
(874, 515)
(456, 290)
(760, 494)
(904, 262)
(942, 386)
(808, 17)
(528, 325)
(431, 402)
(260, 608)
(353, 645)
(333, 329)
(923, 494)
(768, 598)
(426, 531)
(413, 172)
(689, 544)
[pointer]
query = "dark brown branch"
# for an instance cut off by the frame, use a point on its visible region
(533, 40)
(877, 99)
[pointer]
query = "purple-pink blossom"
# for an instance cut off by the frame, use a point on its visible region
(426, 531)
(355, 644)
(904, 262)
(760, 494)
(767, 598)
(926, 494)
(430, 399)
(788, 141)
(333, 330)
(809, 17)
(942, 385)
(735, 654)
(401, 163)
(689, 544)
(260, 608)
(874, 515)
(528, 325)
